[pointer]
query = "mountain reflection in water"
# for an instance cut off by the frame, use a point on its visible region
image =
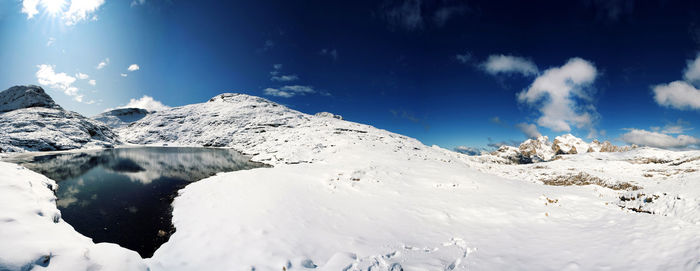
(123, 195)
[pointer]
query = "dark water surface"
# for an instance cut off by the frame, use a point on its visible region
(124, 195)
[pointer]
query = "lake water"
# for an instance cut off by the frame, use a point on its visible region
(124, 195)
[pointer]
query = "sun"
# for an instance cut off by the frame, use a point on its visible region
(53, 7)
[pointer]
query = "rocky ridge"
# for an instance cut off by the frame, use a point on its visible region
(31, 121)
(541, 149)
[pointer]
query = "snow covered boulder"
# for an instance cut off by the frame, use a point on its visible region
(33, 122)
(121, 117)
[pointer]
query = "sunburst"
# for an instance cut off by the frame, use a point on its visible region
(53, 7)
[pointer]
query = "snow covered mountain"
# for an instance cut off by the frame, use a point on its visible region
(121, 117)
(272, 133)
(348, 196)
(541, 149)
(31, 121)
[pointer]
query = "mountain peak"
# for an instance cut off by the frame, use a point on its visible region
(19, 97)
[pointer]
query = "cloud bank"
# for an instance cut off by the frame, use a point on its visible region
(658, 140)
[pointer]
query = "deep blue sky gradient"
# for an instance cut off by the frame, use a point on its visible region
(403, 80)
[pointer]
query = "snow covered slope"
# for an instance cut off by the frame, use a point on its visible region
(347, 196)
(31, 121)
(121, 117)
(34, 237)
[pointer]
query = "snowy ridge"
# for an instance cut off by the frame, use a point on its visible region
(36, 123)
(541, 149)
(121, 117)
(270, 132)
(348, 196)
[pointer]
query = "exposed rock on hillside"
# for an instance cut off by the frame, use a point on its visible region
(18, 97)
(34, 122)
(541, 150)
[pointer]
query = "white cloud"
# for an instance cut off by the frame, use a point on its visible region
(80, 10)
(102, 64)
(658, 140)
(692, 71)
(299, 89)
(277, 93)
(77, 10)
(92, 82)
(50, 42)
(137, 2)
(133, 67)
(554, 94)
(463, 58)
(530, 130)
(48, 77)
(332, 53)
(677, 94)
(30, 8)
(276, 75)
(82, 76)
(123, 74)
(145, 102)
(677, 127)
(289, 91)
(284, 78)
(496, 64)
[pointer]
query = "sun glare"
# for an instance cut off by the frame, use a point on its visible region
(53, 7)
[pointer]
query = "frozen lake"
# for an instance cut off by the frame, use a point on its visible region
(124, 195)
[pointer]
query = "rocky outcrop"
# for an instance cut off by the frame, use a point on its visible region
(569, 144)
(541, 150)
(18, 97)
(34, 122)
(536, 150)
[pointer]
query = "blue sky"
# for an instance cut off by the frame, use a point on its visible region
(449, 73)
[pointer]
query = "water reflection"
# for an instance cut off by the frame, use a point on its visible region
(123, 195)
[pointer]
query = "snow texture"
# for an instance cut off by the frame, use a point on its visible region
(31, 121)
(34, 237)
(347, 196)
(18, 97)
